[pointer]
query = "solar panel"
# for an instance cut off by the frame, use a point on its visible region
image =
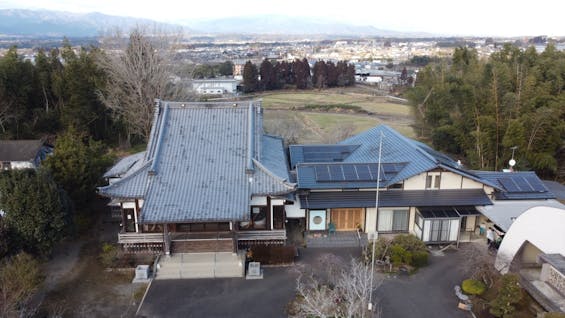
(509, 185)
(349, 173)
(523, 184)
(336, 174)
(536, 184)
(363, 173)
(322, 173)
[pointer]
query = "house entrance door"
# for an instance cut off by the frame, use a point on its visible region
(347, 219)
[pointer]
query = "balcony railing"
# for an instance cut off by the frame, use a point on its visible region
(261, 235)
(134, 238)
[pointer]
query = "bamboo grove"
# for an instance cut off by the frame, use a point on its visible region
(479, 110)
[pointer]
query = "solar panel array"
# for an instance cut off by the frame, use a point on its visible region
(522, 184)
(336, 153)
(354, 172)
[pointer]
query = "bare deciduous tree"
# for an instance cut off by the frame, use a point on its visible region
(138, 70)
(19, 279)
(342, 290)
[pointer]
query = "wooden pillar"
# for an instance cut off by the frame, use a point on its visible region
(124, 219)
(269, 221)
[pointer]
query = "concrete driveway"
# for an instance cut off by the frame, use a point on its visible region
(428, 293)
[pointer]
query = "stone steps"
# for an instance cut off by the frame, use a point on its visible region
(201, 265)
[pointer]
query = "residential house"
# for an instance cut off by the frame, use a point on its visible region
(209, 181)
(420, 191)
(23, 154)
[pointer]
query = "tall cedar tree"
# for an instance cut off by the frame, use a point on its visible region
(320, 74)
(301, 70)
(332, 74)
(268, 77)
(36, 212)
(250, 80)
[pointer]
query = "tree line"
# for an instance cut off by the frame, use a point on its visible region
(297, 73)
(485, 110)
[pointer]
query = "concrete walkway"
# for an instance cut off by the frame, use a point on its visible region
(201, 265)
(337, 239)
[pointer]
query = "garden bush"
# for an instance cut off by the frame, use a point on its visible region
(398, 255)
(402, 249)
(509, 293)
(473, 287)
(409, 242)
(419, 259)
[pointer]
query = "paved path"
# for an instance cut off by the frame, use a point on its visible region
(427, 293)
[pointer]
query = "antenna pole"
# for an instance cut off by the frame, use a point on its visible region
(377, 212)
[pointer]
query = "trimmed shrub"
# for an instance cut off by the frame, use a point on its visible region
(419, 259)
(409, 242)
(398, 255)
(473, 287)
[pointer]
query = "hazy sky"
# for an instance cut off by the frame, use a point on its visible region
(475, 17)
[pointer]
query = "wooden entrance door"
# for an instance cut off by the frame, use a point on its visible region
(347, 219)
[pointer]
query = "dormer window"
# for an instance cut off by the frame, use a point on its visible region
(433, 181)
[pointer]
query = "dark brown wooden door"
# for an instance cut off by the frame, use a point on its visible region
(347, 219)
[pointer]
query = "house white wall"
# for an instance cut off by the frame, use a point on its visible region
(370, 220)
(449, 180)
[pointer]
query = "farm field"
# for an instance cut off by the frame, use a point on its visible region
(331, 115)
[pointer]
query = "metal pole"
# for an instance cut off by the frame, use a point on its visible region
(370, 307)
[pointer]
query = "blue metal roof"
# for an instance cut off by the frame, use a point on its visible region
(126, 165)
(394, 198)
(395, 148)
(132, 186)
(273, 156)
(522, 185)
(198, 163)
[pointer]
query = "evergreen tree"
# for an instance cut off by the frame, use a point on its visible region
(320, 74)
(77, 165)
(332, 74)
(301, 71)
(35, 210)
(250, 80)
(226, 68)
(268, 76)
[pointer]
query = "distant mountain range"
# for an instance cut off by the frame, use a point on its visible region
(277, 25)
(58, 23)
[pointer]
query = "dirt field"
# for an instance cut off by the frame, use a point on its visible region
(78, 285)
